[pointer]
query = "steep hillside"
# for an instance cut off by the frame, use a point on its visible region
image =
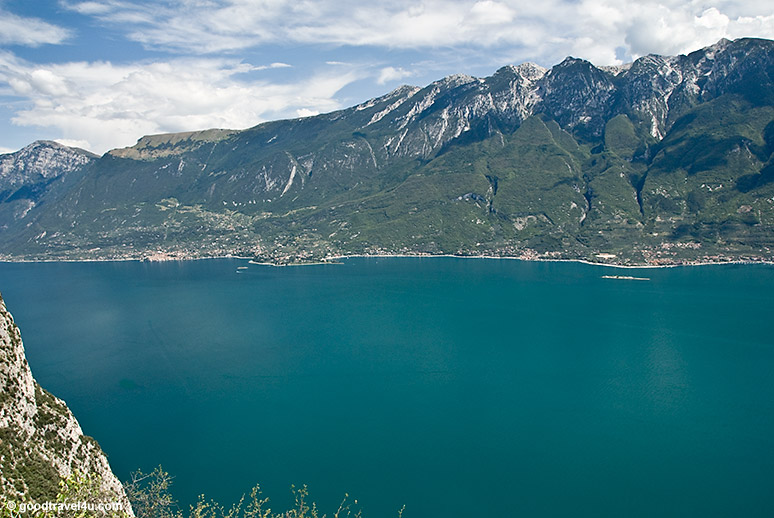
(664, 160)
(32, 173)
(41, 442)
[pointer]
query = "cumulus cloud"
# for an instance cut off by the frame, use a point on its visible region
(83, 144)
(306, 112)
(487, 12)
(200, 82)
(543, 31)
(659, 29)
(102, 105)
(31, 32)
(388, 74)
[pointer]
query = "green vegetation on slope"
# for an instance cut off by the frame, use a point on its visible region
(577, 162)
(80, 496)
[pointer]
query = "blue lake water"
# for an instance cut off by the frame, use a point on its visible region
(456, 387)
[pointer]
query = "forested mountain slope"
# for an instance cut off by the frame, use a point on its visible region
(665, 160)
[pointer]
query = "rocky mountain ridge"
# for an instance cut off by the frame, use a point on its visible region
(27, 175)
(574, 162)
(42, 160)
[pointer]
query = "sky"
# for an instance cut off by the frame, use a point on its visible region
(100, 74)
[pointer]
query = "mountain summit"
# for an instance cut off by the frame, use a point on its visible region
(665, 160)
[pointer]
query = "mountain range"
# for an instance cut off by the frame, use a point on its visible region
(666, 160)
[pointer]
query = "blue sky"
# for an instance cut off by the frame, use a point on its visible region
(100, 74)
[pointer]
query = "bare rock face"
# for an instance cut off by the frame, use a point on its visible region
(40, 161)
(41, 442)
(27, 175)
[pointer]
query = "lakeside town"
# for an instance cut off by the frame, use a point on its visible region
(668, 254)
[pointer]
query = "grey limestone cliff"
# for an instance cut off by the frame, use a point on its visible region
(33, 172)
(41, 441)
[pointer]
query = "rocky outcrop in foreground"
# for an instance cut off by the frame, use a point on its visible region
(41, 442)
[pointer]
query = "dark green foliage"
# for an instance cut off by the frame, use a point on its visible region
(40, 478)
(768, 138)
(695, 201)
(55, 408)
(620, 137)
(150, 496)
(708, 172)
(33, 475)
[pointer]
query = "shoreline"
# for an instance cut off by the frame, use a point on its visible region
(125, 260)
(538, 260)
(333, 260)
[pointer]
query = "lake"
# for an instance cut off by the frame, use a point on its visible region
(458, 387)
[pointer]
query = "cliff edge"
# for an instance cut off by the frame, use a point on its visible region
(41, 442)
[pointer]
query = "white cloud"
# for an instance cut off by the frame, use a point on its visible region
(83, 144)
(105, 104)
(273, 65)
(101, 105)
(487, 12)
(664, 29)
(46, 82)
(31, 32)
(544, 31)
(305, 112)
(712, 19)
(388, 74)
(92, 8)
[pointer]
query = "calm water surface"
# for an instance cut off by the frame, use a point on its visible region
(456, 387)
